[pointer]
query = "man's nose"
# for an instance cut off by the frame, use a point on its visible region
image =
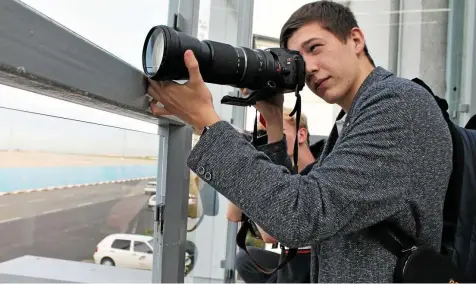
(311, 67)
(311, 70)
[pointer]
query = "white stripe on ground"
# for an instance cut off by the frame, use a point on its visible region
(52, 211)
(9, 220)
(64, 209)
(134, 227)
(85, 204)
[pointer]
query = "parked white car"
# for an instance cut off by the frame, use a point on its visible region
(125, 250)
(135, 251)
(150, 188)
(152, 201)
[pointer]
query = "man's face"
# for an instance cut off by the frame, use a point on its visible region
(289, 129)
(331, 65)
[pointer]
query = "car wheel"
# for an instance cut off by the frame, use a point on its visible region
(107, 261)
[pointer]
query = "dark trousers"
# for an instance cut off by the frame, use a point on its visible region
(298, 270)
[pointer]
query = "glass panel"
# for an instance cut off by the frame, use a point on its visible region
(207, 225)
(79, 181)
(204, 19)
(75, 180)
(121, 244)
(142, 247)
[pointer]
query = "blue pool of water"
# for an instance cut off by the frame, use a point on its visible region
(12, 179)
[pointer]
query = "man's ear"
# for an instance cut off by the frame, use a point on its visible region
(302, 135)
(358, 40)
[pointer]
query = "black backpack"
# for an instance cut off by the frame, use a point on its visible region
(456, 260)
(459, 213)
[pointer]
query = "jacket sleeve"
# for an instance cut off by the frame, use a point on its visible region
(361, 182)
(277, 151)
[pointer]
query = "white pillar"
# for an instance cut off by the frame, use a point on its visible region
(468, 74)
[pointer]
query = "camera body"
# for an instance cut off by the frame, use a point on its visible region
(285, 73)
(290, 69)
(264, 72)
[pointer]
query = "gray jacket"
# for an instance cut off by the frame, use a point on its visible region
(392, 160)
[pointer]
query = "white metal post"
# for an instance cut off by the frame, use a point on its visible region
(245, 10)
(173, 179)
(454, 57)
(467, 103)
(160, 200)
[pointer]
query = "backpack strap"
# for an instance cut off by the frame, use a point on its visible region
(453, 193)
(392, 238)
(246, 227)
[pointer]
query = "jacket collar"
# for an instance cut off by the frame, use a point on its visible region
(378, 74)
(316, 150)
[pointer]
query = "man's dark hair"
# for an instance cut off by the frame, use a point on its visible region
(334, 17)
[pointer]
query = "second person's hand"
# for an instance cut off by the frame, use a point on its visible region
(272, 111)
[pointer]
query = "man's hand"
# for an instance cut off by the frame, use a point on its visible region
(233, 213)
(192, 102)
(272, 111)
(267, 238)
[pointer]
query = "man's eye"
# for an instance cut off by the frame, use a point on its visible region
(314, 47)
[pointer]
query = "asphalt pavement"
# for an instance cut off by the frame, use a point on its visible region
(68, 223)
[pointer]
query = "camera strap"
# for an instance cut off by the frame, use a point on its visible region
(255, 127)
(247, 226)
(297, 111)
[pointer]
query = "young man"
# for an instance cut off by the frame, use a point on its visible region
(298, 269)
(391, 160)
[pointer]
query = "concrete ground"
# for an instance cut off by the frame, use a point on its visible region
(68, 223)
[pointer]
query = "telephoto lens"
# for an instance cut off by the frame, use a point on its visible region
(220, 63)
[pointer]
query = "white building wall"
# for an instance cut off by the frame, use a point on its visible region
(424, 42)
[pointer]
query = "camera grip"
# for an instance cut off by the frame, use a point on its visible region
(251, 99)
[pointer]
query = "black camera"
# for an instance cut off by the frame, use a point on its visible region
(264, 72)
